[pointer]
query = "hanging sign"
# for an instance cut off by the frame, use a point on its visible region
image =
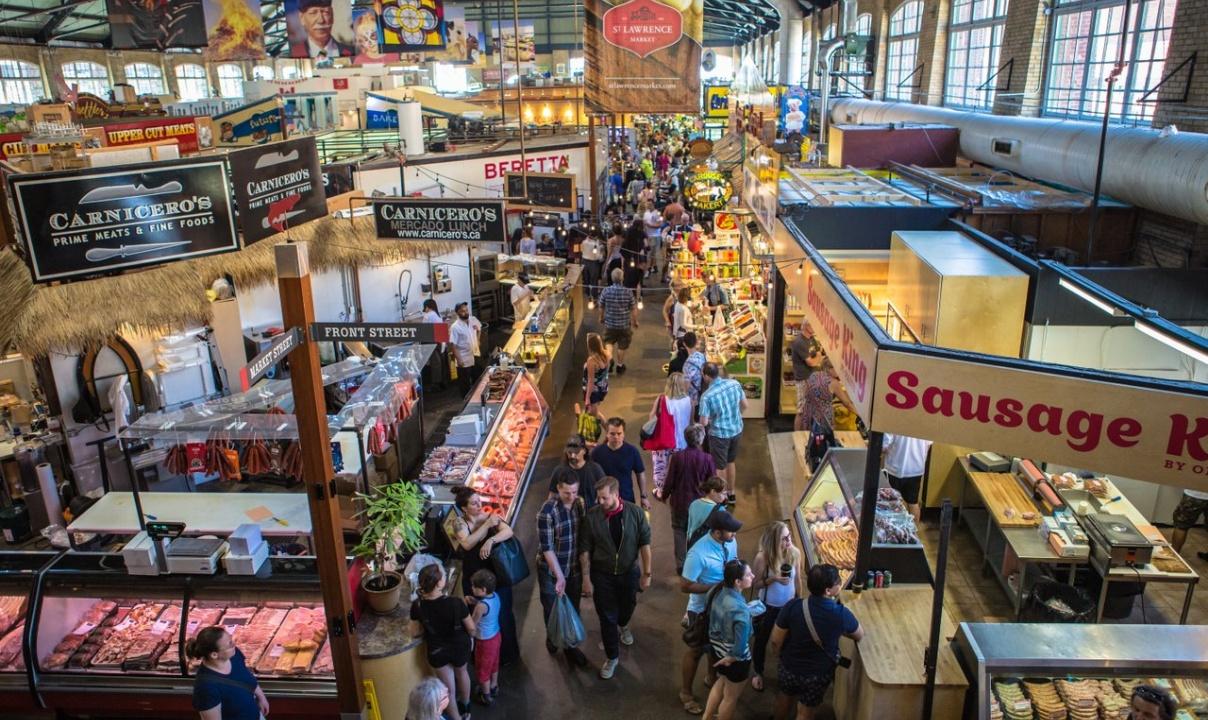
(84, 223)
(423, 218)
(643, 56)
(379, 332)
(1084, 423)
(717, 101)
(282, 345)
(709, 190)
(279, 186)
(555, 191)
(256, 123)
(181, 129)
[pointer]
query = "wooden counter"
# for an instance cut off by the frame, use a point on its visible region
(886, 679)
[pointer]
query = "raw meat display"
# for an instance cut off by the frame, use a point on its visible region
(295, 644)
(447, 464)
(498, 384)
(12, 611)
(323, 664)
(10, 649)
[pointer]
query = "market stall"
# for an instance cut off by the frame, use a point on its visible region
(1060, 670)
(545, 340)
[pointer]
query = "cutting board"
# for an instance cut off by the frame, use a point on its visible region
(1001, 491)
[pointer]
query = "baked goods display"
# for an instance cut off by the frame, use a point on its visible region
(833, 535)
(1070, 698)
(276, 638)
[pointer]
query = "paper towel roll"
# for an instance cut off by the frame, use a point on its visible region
(411, 128)
(50, 494)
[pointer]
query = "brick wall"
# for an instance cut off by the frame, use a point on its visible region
(1024, 42)
(1188, 36)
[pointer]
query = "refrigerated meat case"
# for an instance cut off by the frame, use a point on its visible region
(828, 514)
(1022, 669)
(18, 574)
(103, 637)
(516, 421)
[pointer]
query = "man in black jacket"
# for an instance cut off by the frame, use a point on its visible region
(614, 540)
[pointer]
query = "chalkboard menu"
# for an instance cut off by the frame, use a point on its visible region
(555, 191)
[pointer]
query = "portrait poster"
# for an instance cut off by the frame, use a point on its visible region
(459, 42)
(319, 29)
(643, 56)
(368, 39)
(234, 30)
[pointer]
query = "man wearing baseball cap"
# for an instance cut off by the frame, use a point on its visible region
(316, 19)
(704, 567)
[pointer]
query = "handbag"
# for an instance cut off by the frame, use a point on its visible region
(659, 433)
(696, 633)
(507, 559)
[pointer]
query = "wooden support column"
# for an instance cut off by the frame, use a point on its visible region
(592, 169)
(297, 310)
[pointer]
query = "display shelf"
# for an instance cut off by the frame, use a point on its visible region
(828, 514)
(1076, 670)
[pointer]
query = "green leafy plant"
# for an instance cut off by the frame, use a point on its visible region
(393, 525)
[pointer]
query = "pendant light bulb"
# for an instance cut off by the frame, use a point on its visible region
(641, 305)
(591, 304)
(800, 267)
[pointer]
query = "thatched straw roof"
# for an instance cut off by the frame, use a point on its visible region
(172, 297)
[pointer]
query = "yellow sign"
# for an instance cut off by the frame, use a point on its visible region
(372, 710)
(717, 101)
(708, 190)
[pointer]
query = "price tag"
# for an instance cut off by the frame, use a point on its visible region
(160, 627)
(1023, 705)
(191, 628)
(84, 628)
(277, 651)
(230, 629)
(123, 624)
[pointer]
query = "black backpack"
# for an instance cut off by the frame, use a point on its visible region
(703, 529)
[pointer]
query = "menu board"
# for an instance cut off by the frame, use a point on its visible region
(555, 191)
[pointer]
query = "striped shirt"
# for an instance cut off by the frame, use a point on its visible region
(558, 532)
(617, 301)
(722, 405)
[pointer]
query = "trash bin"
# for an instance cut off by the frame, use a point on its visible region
(1052, 601)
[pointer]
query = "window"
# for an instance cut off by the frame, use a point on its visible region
(904, 26)
(854, 68)
(290, 72)
(974, 44)
(145, 78)
(88, 77)
(1086, 45)
(20, 83)
(262, 72)
(191, 82)
(230, 80)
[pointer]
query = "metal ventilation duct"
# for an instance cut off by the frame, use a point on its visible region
(1165, 174)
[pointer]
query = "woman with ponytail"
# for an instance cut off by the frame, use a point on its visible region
(224, 689)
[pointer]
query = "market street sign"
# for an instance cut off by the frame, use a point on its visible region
(81, 223)
(379, 332)
(282, 345)
(436, 219)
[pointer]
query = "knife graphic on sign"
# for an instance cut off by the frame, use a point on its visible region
(123, 192)
(102, 254)
(280, 211)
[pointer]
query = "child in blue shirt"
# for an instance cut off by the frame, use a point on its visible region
(486, 646)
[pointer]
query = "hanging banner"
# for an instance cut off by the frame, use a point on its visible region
(434, 219)
(319, 29)
(643, 56)
(709, 190)
(156, 24)
(234, 30)
(181, 129)
(253, 124)
(85, 223)
(1089, 424)
(380, 113)
(367, 38)
(279, 186)
(412, 25)
(794, 110)
(761, 182)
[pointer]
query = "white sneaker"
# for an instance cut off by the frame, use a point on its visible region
(609, 668)
(626, 636)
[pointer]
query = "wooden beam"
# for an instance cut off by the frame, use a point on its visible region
(298, 310)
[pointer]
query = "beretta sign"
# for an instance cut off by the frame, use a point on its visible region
(81, 223)
(279, 186)
(439, 220)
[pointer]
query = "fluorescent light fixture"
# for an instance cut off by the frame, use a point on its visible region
(1087, 296)
(1176, 343)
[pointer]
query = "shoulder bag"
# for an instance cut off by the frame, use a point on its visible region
(838, 659)
(696, 634)
(507, 559)
(659, 433)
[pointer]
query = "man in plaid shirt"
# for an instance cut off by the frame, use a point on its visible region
(721, 406)
(558, 570)
(619, 314)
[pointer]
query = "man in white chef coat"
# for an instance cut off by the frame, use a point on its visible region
(522, 298)
(463, 338)
(905, 461)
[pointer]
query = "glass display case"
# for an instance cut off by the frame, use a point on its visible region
(97, 629)
(828, 518)
(545, 328)
(1042, 670)
(18, 575)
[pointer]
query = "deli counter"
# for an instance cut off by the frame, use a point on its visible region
(507, 420)
(828, 515)
(544, 341)
(1079, 670)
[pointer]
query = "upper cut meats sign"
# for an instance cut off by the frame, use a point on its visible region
(643, 55)
(84, 223)
(1083, 423)
(643, 26)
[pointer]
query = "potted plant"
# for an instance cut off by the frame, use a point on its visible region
(393, 526)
